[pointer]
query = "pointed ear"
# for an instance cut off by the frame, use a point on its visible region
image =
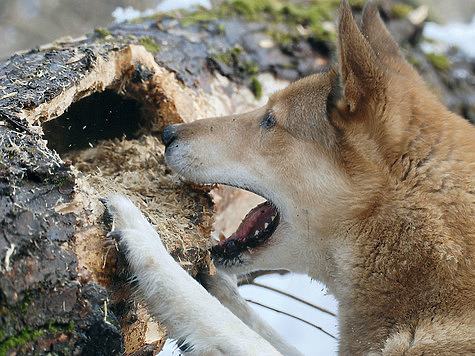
(360, 69)
(379, 37)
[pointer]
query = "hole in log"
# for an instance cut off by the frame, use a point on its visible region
(100, 116)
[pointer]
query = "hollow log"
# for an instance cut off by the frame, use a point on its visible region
(79, 120)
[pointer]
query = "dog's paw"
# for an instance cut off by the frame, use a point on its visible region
(136, 237)
(125, 215)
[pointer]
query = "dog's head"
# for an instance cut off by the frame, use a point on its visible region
(316, 151)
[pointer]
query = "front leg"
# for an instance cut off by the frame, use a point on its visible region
(189, 313)
(224, 287)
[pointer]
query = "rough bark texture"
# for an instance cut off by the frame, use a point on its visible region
(63, 286)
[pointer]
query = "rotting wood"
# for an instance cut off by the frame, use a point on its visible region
(63, 286)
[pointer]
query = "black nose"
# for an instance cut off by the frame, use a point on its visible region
(168, 135)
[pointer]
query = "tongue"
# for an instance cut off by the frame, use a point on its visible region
(255, 220)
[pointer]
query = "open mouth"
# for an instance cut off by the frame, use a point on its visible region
(256, 228)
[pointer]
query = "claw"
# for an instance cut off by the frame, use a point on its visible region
(104, 201)
(108, 215)
(115, 234)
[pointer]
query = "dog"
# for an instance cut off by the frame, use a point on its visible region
(370, 188)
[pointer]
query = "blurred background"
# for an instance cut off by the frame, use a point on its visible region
(29, 23)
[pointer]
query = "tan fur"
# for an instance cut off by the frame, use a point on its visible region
(376, 191)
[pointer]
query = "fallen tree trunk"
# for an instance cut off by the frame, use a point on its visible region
(79, 120)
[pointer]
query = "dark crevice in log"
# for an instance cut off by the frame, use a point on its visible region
(100, 116)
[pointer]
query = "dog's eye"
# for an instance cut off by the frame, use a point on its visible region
(268, 121)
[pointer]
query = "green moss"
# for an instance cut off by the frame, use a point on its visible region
(289, 23)
(249, 9)
(101, 31)
(26, 335)
(145, 18)
(401, 10)
(233, 58)
(24, 307)
(250, 68)
(149, 44)
(230, 57)
(414, 61)
(281, 38)
(256, 87)
(21, 307)
(54, 327)
(60, 182)
(197, 17)
(311, 15)
(438, 61)
(19, 340)
(10, 317)
(221, 29)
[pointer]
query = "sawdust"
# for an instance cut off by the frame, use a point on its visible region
(180, 213)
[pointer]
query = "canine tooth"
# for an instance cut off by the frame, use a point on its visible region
(265, 225)
(273, 217)
(256, 233)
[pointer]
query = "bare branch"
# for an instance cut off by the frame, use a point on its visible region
(293, 297)
(292, 316)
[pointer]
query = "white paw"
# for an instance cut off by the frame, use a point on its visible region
(136, 236)
(124, 213)
(175, 298)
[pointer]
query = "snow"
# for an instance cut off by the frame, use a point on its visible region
(307, 339)
(129, 13)
(121, 14)
(169, 5)
(451, 34)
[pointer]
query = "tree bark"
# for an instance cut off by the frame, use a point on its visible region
(79, 120)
